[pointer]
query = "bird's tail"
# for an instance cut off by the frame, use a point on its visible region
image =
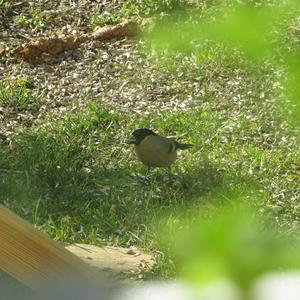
(183, 146)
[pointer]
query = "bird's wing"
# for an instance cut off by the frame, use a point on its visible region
(163, 144)
(155, 150)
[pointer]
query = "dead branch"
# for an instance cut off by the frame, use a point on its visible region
(42, 49)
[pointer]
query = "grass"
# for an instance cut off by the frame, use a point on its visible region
(17, 96)
(76, 178)
(145, 8)
(35, 18)
(99, 20)
(5, 4)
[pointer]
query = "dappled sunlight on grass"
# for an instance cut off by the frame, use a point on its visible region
(232, 79)
(76, 176)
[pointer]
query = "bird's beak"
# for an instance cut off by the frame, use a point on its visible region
(132, 140)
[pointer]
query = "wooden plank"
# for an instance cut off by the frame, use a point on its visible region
(34, 259)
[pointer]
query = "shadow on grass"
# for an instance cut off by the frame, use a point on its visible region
(78, 194)
(192, 182)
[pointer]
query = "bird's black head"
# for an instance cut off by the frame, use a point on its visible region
(139, 134)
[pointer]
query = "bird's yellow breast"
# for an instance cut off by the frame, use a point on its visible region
(154, 151)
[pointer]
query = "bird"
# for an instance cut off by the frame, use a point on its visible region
(154, 150)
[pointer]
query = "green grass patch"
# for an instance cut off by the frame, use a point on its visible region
(145, 8)
(5, 4)
(79, 181)
(17, 95)
(35, 18)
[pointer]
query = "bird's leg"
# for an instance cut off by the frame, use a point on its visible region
(170, 172)
(148, 171)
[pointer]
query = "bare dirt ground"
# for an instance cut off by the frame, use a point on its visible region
(113, 72)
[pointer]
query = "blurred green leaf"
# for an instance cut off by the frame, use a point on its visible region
(253, 29)
(230, 244)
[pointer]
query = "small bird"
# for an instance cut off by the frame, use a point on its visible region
(154, 150)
